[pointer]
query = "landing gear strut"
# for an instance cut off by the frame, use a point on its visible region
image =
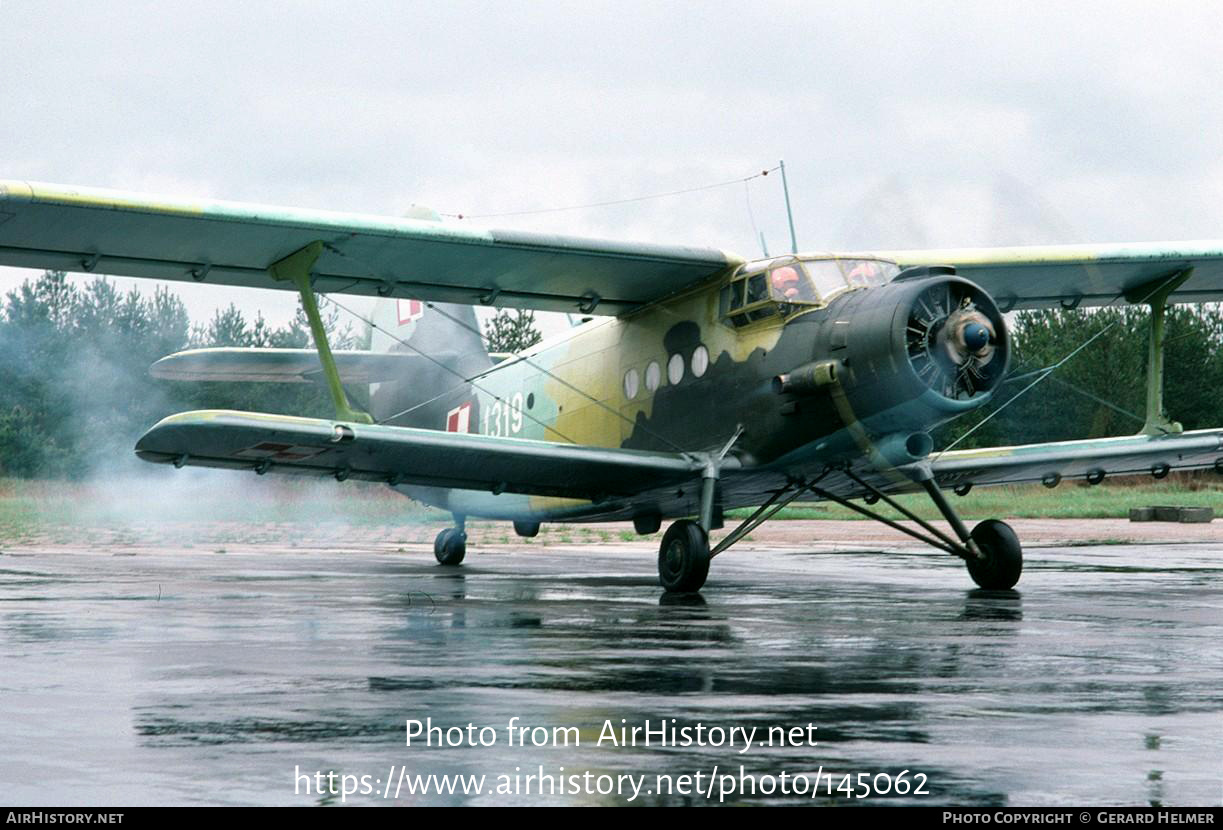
(991, 551)
(683, 556)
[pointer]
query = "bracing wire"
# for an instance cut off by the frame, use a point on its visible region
(611, 202)
(465, 380)
(1103, 402)
(1049, 370)
(516, 359)
(1078, 390)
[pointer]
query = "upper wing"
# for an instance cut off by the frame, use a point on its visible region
(1088, 275)
(252, 440)
(1135, 454)
(233, 364)
(128, 234)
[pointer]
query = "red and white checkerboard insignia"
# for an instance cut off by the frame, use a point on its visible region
(273, 451)
(410, 311)
(459, 419)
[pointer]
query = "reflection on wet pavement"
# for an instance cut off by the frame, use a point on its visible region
(191, 677)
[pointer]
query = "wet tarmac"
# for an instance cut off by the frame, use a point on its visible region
(140, 676)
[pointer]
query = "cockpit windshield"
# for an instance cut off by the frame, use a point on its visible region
(832, 275)
(786, 285)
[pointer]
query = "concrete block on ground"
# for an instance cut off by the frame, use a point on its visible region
(1168, 513)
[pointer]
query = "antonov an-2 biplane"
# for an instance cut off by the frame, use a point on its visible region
(707, 383)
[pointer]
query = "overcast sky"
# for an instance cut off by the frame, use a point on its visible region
(901, 124)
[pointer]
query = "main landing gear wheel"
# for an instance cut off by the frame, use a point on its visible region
(450, 546)
(1003, 562)
(683, 557)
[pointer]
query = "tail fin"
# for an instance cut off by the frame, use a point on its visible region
(449, 338)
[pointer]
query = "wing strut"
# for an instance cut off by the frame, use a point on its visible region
(295, 268)
(1158, 422)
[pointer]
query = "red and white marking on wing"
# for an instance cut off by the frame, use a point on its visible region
(273, 451)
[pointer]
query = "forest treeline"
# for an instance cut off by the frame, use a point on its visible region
(75, 390)
(1101, 391)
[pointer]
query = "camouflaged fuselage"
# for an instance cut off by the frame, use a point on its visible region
(676, 376)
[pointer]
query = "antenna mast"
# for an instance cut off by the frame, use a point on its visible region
(789, 214)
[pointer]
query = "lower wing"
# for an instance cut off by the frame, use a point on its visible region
(402, 455)
(1092, 459)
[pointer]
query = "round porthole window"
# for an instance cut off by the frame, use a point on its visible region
(700, 361)
(632, 382)
(675, 369)
(653, 376)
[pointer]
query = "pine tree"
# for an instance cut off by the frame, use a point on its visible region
(511, 331)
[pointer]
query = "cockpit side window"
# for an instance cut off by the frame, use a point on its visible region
(730, 299)
(789, 285)
(757, 292)
(757, 289)
(766, 289)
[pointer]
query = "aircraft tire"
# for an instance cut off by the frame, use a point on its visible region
(683, 558)
(1003, 562)
(450, 546)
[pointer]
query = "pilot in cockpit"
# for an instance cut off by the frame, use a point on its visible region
(791, 286)
(864, 273)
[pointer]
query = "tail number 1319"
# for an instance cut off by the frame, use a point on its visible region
(503, 417)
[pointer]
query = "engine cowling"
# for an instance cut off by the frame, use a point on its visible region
(908, 355)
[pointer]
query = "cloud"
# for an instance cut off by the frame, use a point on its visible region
(900, 123)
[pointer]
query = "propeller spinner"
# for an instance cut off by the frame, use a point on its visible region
(952, 340)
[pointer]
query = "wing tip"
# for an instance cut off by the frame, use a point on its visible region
(15, 190)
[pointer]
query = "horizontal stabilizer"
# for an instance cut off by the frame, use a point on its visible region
(403, 455)
(281, 365)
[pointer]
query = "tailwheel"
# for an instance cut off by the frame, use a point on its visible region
(1003, 561)
(450, 546)
(683, 557)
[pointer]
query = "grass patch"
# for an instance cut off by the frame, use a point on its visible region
(225, 508)
(1033, 501)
